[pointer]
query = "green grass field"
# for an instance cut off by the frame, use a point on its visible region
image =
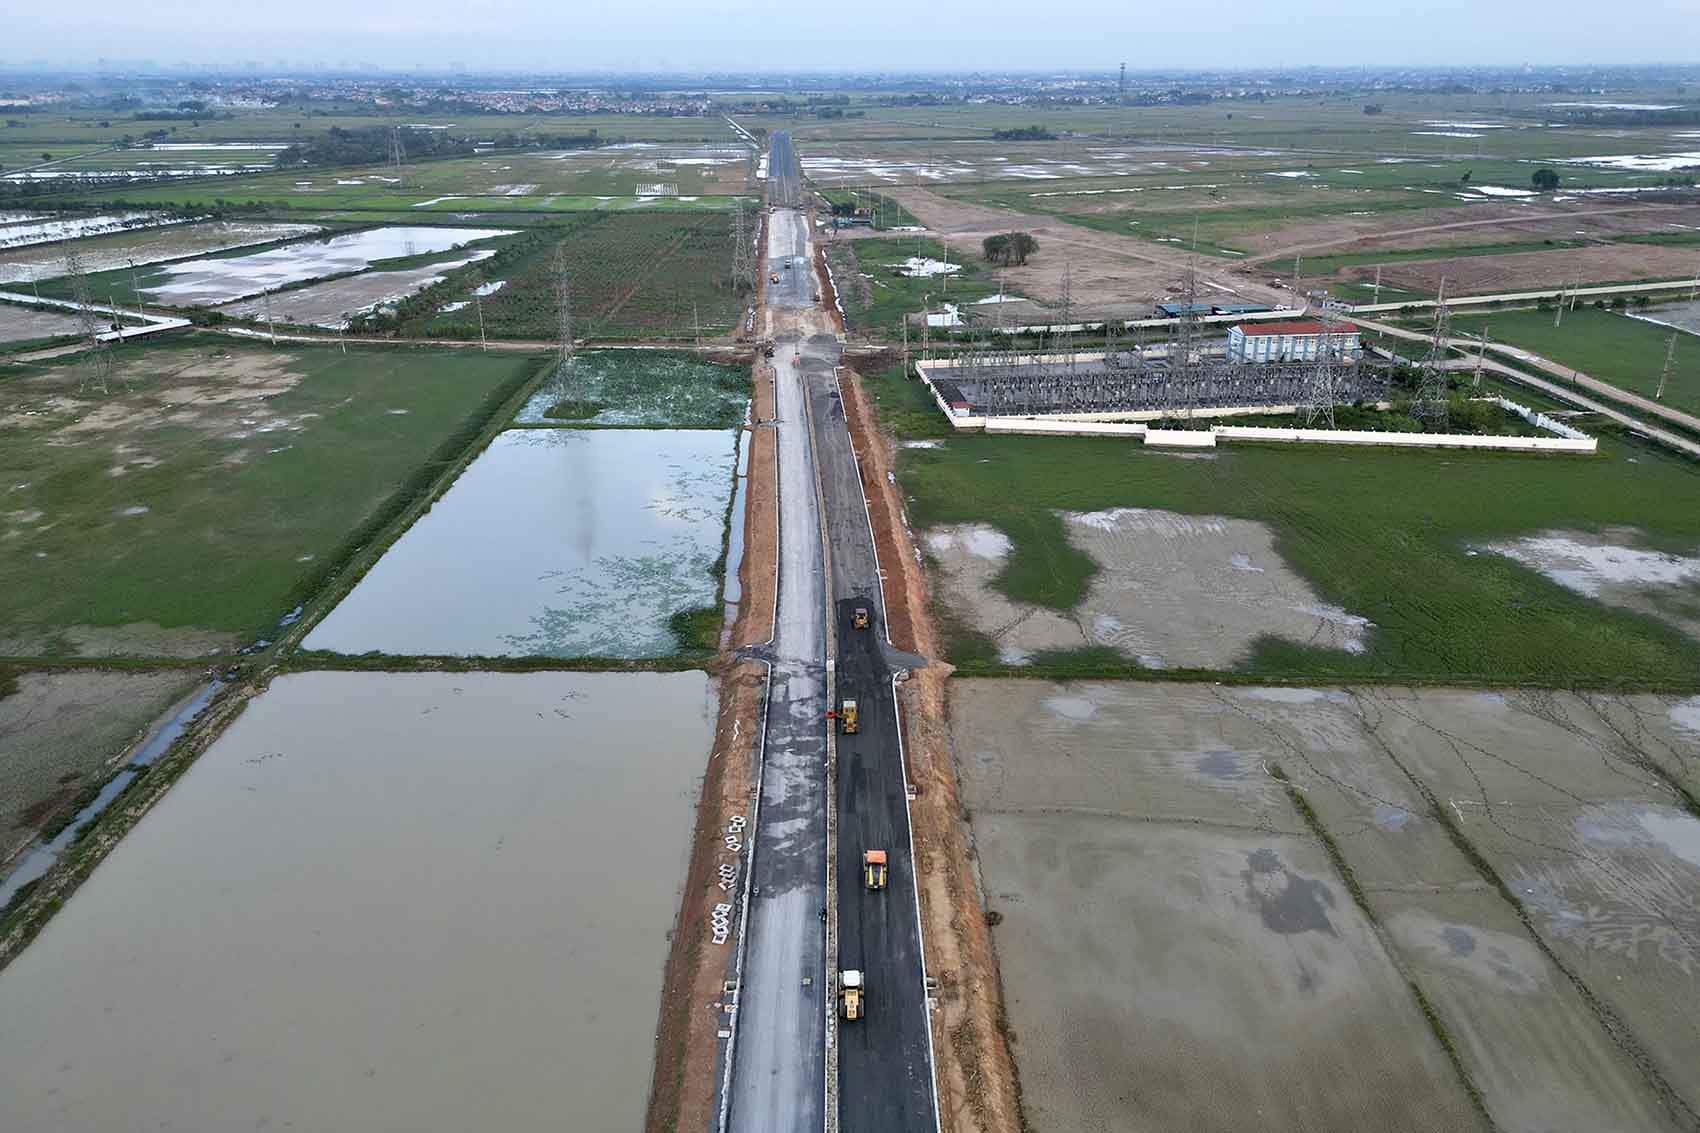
(216, 486)
(876, 297)
(1615, 348)
(1383, 534)
(633, 275)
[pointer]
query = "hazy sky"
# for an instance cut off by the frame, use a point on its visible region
(872, 35)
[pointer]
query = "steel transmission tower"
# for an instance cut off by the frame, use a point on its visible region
(743, 252)
(396, 152)
(96, 367)
(1429, 406)
(1322, 392)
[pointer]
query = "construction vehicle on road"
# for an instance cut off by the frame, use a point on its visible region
(773, 277)
(767, 348)
(873, 869)
(859, 619)
(847, 718)
(850, 993)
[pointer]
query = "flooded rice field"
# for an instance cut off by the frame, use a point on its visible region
(20, 324)
(143, 247)
(437, 902)
(1179, 950)
(554, 542)
(332, 303)
(222, 280)
(32, 229)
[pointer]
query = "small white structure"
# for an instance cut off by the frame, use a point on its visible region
(1291, 342)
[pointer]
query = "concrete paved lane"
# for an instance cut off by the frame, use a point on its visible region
(779, 1062)
(885, 1059)
(778, 1080)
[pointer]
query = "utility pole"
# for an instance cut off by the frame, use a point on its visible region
(905, 349)
(1670, 361)
(478, 301)
(269, 321)
(926, 334)
(1481, 354)
(136, 290)
(696, 324)
(1378, 284)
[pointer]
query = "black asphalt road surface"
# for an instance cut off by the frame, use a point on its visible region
(884, 1059)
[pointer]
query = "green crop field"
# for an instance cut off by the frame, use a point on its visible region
(1384, 534)
(632, 275)
(568, 181)
(1615, 348)
(215, 486)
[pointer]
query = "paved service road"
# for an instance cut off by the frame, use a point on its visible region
(779, 1060)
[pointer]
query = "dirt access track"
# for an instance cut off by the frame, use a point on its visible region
(687, 1042)
(1109, 273)
(1489, 223)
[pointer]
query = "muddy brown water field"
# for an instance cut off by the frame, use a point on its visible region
(1178, 950)
(380, 901)
(60, 731)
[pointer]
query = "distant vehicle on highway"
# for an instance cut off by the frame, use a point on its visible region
(847, 718)
(859, 619)
(773, 277)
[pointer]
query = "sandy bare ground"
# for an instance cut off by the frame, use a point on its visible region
(1109, 273)
(1172, 591)
(19, 324)
(975, 1077)
(60, 731)
(1487, 223)
(1522, 271)
(1180, 951)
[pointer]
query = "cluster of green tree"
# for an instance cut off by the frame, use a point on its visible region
(181, 116)
(371, 145)
(590, 139)
(1009, 248)
(1025, 134)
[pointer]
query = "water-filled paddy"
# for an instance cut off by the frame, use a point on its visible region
(398, 901)
(221, 280)
(554, 542)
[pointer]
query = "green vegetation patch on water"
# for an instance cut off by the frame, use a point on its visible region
(643, 388)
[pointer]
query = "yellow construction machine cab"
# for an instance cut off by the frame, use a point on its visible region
(859, 619)
(850, 993)
(873, 868)
(847, 718)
